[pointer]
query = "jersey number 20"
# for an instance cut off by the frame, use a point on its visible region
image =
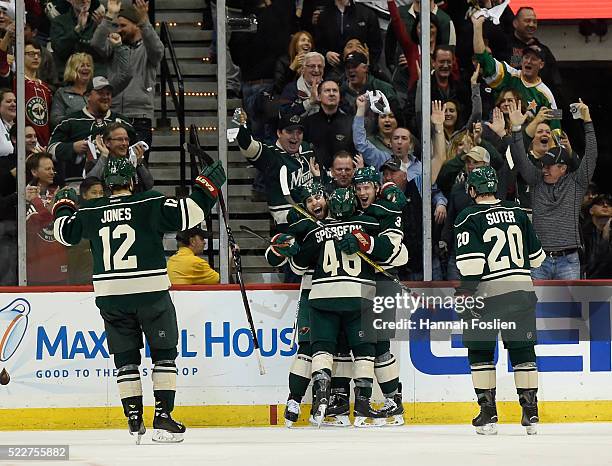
(514, 237)
(119, 261)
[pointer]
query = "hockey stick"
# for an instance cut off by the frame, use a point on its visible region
(194, 147)
(295, 320)
(253, 233)
(365, 258)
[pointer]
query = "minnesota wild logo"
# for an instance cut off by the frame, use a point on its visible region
(36, 110)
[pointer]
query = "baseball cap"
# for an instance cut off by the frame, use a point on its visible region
(478, 153)
(602, 199)
(391, 164)
(355, 58)
(556, 155)
(184, 236)
(98, 83)
(534, 49)
(288, 122)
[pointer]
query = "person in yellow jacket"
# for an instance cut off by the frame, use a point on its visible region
(185, 267)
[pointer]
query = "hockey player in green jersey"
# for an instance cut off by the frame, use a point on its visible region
(284, 165)
(313, 198)
(385, 203)
(343, 287)
(130, 281)
(496, 248)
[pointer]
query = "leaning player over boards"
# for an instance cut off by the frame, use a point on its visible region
(314, 199)
(496, 248)
(130, 280)
(343, 286)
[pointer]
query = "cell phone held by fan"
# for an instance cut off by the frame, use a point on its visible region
(556, 114)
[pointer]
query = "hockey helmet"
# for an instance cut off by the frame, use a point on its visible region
(483, 179)
(342, 203)
(365, 175)
(118, 171)
(301, 193)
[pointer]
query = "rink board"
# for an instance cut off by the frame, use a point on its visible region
(52, 344)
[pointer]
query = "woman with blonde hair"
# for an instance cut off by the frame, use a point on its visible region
(79, 71)
(71, 97)
(289, 67)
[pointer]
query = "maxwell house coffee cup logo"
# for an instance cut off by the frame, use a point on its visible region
(13, 325)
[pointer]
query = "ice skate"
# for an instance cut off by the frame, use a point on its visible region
(337, 414)
(530, 418)
(486, 421)
(292, 412)
(322, 388)
(394, 409)
(365, 415)
(136, 425)
(166, 429)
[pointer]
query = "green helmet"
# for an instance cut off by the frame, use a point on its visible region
(342, 203)
(483, 179)
(301, 193)
(366, 174)
(118, 171)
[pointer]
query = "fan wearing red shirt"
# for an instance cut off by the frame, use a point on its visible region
(38, 93)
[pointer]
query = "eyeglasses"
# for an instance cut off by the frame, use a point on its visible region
(32, 54)
(119, 139)
(312, 67)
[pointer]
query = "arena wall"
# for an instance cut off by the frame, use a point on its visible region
(52, 345)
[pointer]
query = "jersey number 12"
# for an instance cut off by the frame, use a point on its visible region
(119, 261)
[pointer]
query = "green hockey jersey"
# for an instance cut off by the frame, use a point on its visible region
(80, 125)
(126, 233)
(282, 172)
(389, 217)
(340, 282)
(500, 76)
(496, 248)
(299, 226)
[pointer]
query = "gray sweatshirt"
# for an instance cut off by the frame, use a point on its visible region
(556, 207)
(137, 99)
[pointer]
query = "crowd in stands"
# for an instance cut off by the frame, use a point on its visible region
(90, 74)
(351, 99)
(326, 86)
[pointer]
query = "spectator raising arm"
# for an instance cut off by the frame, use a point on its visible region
(587, 166)
(372, 155)
(119, 75)
(438, 140)
(530, 173)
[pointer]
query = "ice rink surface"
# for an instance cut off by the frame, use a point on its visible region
(555, 444)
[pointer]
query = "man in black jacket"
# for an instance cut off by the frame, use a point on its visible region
(343, 20)
(525, 27)
(597, 239)
(330, 130)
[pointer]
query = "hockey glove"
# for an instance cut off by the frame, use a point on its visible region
(211, 179)
(284, 245)
(392, 193)
(358, 240)
(65, 197)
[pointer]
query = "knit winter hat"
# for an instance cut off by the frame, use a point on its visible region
(130, 13)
